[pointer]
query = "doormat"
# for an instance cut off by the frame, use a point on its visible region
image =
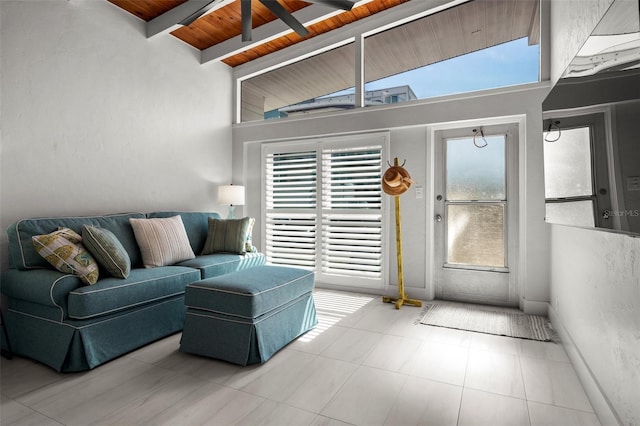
(490, 321)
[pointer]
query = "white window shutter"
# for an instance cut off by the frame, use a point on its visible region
(351, 213)
(324, 210)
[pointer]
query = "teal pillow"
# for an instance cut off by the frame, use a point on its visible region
(227, 236)
(107, 250)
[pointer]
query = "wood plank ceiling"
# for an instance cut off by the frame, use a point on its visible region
(224, 23)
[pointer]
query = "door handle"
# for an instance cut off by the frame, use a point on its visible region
(438, 218)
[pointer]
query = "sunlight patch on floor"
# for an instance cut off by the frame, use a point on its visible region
(332, 307)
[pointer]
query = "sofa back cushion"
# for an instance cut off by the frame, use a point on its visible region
(22, 254)
(195, 223)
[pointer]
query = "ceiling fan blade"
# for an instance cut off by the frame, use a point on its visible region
(288, 18)
(247, 20)
(336, 4)
(191, 18)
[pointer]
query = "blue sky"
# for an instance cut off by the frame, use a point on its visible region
(503, 65)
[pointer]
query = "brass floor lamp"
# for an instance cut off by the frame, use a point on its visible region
(395, 182)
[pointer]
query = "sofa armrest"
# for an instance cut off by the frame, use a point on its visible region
(43, 286)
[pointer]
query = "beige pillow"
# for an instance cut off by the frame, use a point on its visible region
(62, 249)
(162, 241)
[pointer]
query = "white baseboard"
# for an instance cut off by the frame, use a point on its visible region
(534, 307)
(606, 414)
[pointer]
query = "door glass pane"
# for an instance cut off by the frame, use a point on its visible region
(567, 164)
(476, 173)
(576, 213)
(475, 234)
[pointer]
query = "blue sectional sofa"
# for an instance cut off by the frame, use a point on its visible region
(55, 318)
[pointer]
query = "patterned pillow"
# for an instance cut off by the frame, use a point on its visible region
(227, 236)
(67, 256)
(162, 241)
(107, 250)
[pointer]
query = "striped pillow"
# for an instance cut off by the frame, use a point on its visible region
(227, 236)
(107, 250)
(162, 241)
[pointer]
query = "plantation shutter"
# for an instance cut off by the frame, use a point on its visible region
(291, 201)
(352, 212)
(323, 209)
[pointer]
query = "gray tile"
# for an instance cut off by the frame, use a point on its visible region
(392, 353)
(487, 409)
(212, 404)
(494, 372)
(425, 402)
(542, 350)
(554, 383)
(440, 362)
(367, 397)
(326, 377)
(353, 345)
(276, 414)
(549, 415)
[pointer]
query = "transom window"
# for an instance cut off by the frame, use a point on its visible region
(477, 45)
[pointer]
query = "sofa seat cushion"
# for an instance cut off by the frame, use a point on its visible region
(214, 265)
(110, 295)
(251, 292)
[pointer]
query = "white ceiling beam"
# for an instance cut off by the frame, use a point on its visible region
(312, 14)
(381, 21)
(168, 21)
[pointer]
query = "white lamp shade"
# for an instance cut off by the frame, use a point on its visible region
(232, 195)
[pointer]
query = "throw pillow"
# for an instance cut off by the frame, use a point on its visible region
(249, 244)
(67, 256)
(107, 250)
(162, 241)
(69, 234)
(227, 236)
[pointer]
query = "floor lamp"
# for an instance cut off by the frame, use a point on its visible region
(395, 182)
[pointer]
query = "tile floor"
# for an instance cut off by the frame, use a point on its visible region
(365, 364)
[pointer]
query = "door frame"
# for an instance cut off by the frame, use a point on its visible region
(514, 218)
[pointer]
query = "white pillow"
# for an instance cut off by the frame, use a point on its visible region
(162, 241)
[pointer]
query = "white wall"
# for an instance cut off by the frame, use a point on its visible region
(595, 275)
(571, 23)
(595, 293)
(407, 124)
(98, 119)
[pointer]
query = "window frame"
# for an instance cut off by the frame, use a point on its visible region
(597, 120)
(507, 132)
(356, 33)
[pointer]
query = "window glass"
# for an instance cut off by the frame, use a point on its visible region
(567, 164)
(324, 82)
(475, 234)
(474, 46)
(576, 213)
(476, 173)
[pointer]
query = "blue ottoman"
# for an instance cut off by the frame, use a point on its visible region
(247, 316)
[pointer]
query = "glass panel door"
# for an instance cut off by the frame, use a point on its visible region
(474, 215)
(475, 200)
